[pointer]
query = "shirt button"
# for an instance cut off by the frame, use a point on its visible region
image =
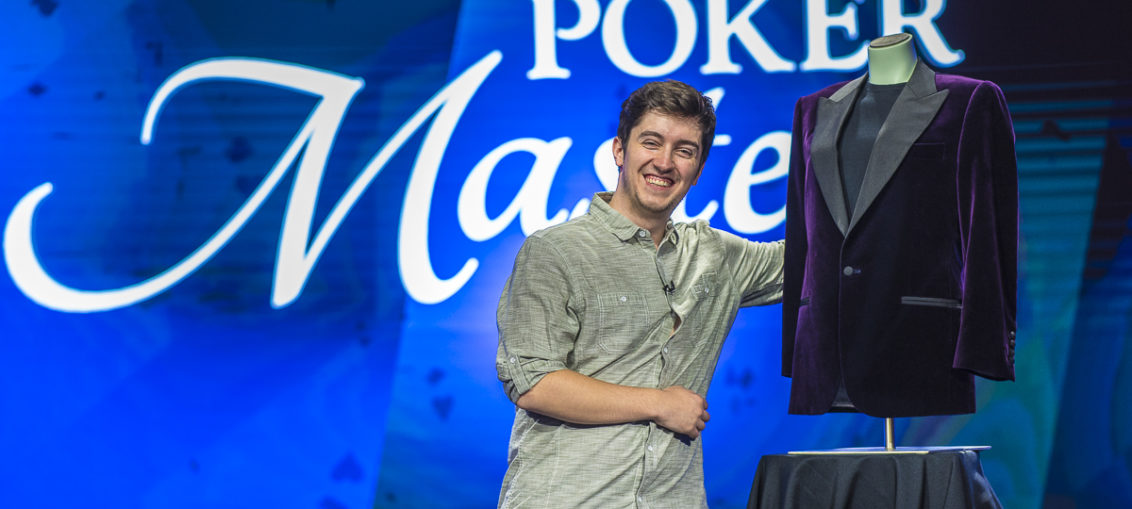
(848, 271)
(650, 448)
(641, 233)
(666, 349)
(512, 360)
(624, 298)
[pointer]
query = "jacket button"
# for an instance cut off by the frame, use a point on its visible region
(848, 271)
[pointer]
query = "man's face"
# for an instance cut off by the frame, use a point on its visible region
(660, 161)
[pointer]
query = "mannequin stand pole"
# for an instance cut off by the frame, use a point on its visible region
(889, 443)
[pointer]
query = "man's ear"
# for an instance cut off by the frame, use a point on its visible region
(618, 152)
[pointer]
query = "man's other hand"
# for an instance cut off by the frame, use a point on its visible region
(682, 411)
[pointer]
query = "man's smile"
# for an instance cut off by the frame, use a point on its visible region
(658, 181)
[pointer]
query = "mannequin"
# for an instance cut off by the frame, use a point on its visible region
(892, 59)
(901, 241)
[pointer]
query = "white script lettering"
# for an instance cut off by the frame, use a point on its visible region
(299, 250)
(295, 259)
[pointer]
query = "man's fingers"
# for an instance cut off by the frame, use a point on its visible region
(682, 401)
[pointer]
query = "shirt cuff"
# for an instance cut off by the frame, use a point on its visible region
(520, 374)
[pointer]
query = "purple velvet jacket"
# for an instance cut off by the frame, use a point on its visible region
(915, 292)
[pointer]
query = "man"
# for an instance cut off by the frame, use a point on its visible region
(611, 324)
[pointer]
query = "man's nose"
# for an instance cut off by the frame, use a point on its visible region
(664, 160)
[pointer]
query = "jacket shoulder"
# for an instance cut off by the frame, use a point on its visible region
(824, 92)
(965, 85)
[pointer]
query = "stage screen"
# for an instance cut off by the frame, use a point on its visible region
(252, 250)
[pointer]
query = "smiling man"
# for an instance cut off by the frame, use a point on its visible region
(611, 324)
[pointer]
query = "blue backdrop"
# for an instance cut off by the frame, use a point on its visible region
(253, 249)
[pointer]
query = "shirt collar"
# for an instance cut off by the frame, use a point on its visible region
(618, 224)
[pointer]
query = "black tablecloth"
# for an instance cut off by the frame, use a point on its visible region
(937, 480)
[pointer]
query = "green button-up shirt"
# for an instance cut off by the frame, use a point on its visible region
(596, 296)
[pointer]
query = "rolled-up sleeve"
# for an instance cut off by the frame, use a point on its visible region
(537, 318)
(756, 268)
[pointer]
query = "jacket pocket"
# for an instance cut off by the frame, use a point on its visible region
(935, 302)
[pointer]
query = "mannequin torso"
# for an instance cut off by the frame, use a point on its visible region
(892, 59)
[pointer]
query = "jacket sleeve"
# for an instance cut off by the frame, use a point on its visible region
(795, 256)
(987, 194)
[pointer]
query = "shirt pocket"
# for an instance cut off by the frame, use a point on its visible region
(705, 286)
(623, 318)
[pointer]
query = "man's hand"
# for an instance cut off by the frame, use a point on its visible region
(682, 411)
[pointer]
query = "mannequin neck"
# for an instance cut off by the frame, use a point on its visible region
(892, 59)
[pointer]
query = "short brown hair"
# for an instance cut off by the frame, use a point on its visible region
(671, 98)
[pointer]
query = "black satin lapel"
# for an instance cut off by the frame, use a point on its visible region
(823, 151)
(909, 117)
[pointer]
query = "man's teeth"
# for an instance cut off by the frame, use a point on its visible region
(658, 181)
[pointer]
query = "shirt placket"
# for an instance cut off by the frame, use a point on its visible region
(664, 254)
(653, 449)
